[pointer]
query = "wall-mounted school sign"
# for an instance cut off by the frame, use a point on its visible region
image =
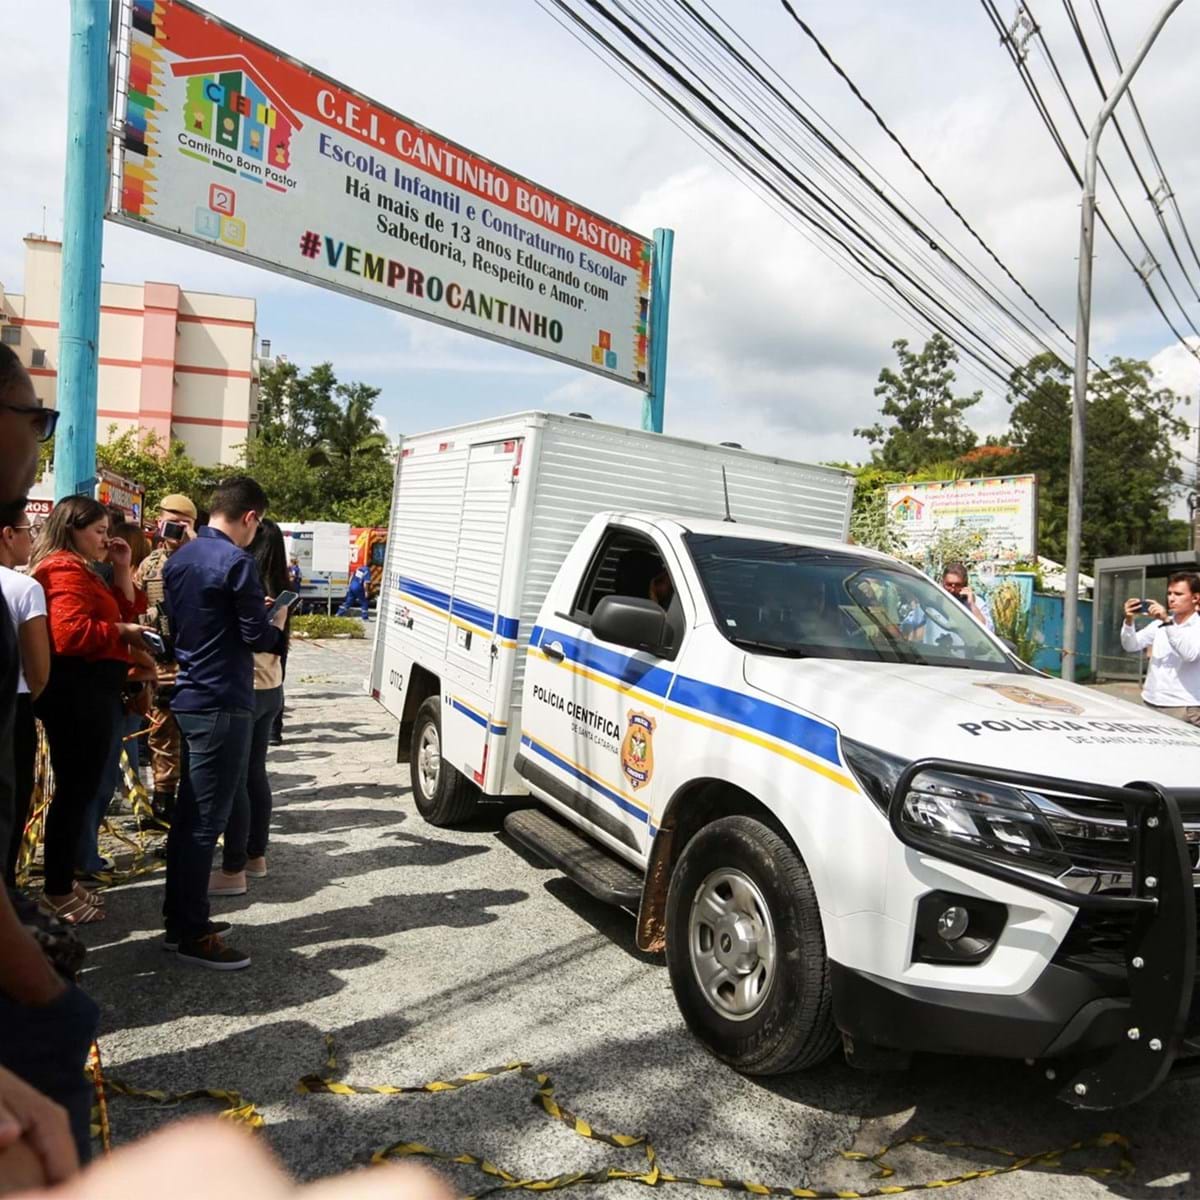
(1003, 508)
(231, 145)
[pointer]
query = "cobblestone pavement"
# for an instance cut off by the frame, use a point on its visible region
(430, 953)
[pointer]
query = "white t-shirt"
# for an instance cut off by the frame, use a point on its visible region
(25, 600)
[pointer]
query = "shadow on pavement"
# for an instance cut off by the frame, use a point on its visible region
(136, 982)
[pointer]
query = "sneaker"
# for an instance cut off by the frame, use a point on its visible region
(210, 951)
(220, 883)
(170, 941)
(256, 868)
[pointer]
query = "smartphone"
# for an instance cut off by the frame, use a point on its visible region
(175, 530)
(286, 599)
(155, 643)
(1144, 606)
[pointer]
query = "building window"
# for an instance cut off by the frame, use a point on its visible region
(38, 359)
(10, 335)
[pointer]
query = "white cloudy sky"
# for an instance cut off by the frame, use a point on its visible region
(771, 345)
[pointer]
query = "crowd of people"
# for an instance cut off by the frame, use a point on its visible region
(113, 634)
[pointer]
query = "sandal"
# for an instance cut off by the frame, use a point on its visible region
(87, 895)
(72, 910)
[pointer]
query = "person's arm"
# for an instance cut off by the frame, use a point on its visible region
(257, 630)
(26, 975)
(1184, 639)
(1134, 640)
(35, 654)
(72, 624)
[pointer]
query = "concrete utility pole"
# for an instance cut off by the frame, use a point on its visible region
(83, 233)
(1083, 318)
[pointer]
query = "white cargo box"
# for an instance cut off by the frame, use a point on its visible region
(483, 516)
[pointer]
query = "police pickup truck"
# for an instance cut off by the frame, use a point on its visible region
(847, 813)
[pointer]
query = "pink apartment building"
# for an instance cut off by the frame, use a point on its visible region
(177, 362)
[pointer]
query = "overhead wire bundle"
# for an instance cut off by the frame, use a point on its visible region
(695, 68)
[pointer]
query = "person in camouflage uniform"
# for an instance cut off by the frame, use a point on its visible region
(163, 739)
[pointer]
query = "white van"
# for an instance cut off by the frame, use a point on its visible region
(847, 813)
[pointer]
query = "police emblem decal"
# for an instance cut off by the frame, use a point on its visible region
(637, 749)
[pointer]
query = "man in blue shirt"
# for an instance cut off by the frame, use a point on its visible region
(358, 592)
(218, 618)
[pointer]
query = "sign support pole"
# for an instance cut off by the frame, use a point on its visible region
(83, 237)
(660, 309)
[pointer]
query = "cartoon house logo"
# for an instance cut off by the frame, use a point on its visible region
(908, 508)
(234, 118)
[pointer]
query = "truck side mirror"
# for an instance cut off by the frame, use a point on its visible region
(630, 622)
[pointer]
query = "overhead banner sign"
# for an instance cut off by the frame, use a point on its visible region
(230, 145)
(1003, 508)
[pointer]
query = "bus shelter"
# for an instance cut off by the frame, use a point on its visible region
(1143, 576)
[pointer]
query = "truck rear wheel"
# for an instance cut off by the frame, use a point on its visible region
(443, 794)
(746, 952)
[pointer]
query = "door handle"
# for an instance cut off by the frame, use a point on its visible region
(554, 651)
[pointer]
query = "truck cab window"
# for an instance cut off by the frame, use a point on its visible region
(628, 564)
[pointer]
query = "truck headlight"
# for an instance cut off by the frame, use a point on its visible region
(991, 819)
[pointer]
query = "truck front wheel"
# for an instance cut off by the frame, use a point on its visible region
(444, 795)
(746, 952)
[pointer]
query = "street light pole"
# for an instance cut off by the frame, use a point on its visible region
(1083, 317)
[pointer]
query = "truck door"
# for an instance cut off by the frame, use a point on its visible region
(474, 598)
(592, 710)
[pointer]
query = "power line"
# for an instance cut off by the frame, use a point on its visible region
(920, 169)
(833, 222)
(1073, 18)
(1169, 192)
(1035, 95)
(767, 104)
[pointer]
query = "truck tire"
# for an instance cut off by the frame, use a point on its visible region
(746, 952)
(444, 796)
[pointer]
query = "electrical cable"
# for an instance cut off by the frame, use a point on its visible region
(764, 116)
(1162, 174)
(1040, 104)
(831, 211)
(1080, 37)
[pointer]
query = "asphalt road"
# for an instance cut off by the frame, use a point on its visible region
(428, 954)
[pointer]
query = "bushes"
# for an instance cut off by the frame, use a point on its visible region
(319, 626)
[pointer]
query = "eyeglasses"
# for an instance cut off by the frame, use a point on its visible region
(953, 585)
(21, 528)
(44, 419)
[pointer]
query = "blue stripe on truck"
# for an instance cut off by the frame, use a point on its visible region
(473, 614)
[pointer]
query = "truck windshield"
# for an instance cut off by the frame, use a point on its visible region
(805, 601)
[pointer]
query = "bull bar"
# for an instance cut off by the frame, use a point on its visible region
(1160, 954)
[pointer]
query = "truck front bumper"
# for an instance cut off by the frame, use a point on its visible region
(1119, 1011)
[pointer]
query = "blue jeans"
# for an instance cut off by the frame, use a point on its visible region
(250, 818)
(215, 749)
(87, 854)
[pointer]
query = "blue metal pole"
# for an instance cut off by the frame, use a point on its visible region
(660, 309)
(83, 235)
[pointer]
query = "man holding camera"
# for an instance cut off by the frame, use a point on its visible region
(176, 525)
(1173, 678)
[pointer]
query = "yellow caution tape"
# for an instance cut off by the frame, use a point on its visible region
(237, 1108)
(653, 1175)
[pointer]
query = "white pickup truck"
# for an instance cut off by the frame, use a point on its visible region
(847, 813)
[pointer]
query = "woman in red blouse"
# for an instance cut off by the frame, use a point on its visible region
(91, 635)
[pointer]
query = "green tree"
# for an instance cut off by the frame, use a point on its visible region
(141, 456)
(295, 409)
(1130, 467)
(350, 433)
(925, 418)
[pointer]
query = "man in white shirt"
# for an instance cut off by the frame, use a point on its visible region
(1173, 678)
